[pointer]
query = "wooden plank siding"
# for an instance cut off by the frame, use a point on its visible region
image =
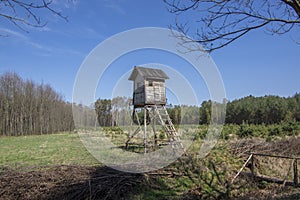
(149, 86)
(155, 93)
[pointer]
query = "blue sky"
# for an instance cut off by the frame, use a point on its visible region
(257, 64)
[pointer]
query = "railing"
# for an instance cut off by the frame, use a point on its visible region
(251, 160)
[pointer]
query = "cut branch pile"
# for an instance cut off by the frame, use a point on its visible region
(68, 182)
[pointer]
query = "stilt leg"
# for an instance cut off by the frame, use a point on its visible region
(154, 127)
(145, 129)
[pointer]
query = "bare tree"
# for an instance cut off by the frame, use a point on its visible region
(221, 22)
(23, 13)
(30, 108)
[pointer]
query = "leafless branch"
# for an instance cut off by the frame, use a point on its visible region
(24, 14)
(221, 22)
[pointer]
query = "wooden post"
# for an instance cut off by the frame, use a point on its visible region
(244, 165)
(295, 172)
(145, 129)
(154, 127)
(131, 123)
(252, 166)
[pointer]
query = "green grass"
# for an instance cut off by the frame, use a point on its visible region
(44, 150)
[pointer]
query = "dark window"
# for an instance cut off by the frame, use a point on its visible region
(150, 83)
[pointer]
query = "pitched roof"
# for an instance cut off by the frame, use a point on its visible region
(148, 73)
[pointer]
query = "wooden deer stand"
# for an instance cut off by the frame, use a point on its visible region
(150, 97)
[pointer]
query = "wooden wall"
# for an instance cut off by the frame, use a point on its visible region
(155, 93)
(149, 92)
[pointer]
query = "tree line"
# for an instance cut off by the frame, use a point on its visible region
(113, 112)
(263, 110)
(268, 109)
(118, 112)
(30, 108)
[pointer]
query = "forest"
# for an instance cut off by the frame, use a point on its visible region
(267, 110)
(31, 108)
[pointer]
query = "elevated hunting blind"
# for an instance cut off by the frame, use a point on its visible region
(149, 96)
(149, 86)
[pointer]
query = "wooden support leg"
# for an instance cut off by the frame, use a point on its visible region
(154, 127)
(252, 166)
(295, 172)
(145, 130)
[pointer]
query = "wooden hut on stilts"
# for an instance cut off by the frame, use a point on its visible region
(149, 96)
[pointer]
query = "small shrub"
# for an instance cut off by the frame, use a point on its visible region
(226, 131)
(289, 128)
(162, 135)
(224, 135)
(201, 134)
(275, 130)
(116, 130)
(263, 130)
(245, 131)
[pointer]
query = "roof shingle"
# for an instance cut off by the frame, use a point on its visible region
(148, 73)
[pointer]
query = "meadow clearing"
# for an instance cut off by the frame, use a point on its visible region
(58, 165)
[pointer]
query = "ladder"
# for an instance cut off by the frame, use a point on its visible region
(166, 123)
(160, 114)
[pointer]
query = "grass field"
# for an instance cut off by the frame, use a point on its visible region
(59, 164)
(67, 148)
(43, 150)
